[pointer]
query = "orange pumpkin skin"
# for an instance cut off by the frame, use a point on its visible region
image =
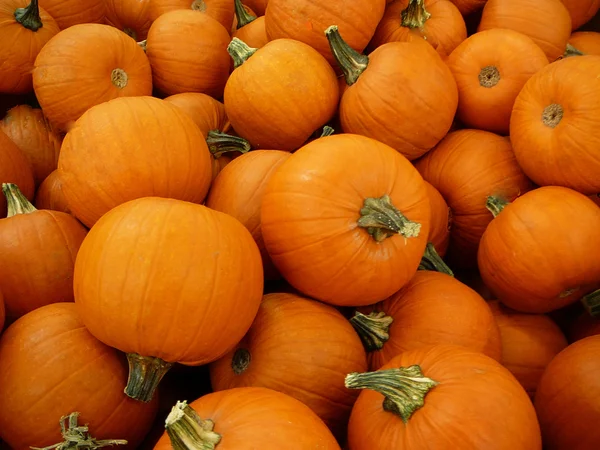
(220, 10)
(441, 220)
(258, 6)
(21, 46)
(552, 125)
(469, 6)
(548, 23)
(467, 167)
(14, 168)
(490, 68)
(50, 195)
(2, 312)
(206, 112)
(40, 143)
(313, 201)
(51, 365)
(254, 34)
(237, 414)
(568, 395)
(65, 90)
(73, 12)
(210, 256)
(520, 266)
(238, 190)
(188, 53)
(469, 382)
(130, 16)
(529, 343)
(143, 147)
(316, 348)
(581, 11)
(587, 42)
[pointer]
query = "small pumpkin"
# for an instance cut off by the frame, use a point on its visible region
(220, 10)
(206, 112)
(130, 16)
(73, 12)
(249, 28)
(50, 195)
(587, 42)
(581, 11)
(14, 168)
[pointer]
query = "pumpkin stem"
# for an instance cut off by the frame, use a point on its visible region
(591, 302)
(143, 45)
(489, 76)
(119, 78)
(351, 62)
(240, 361)
(243, 16)
(187, 431)
(432, 261)
(552, 115)
(145, 372)
(239, 52)
(77, 437)
(220, 143)
(17, 203)
(495, 205)
(382, 219)
(572, 51)
(327, 131)
(198, 5)
(29, 16)
(374, 329)
(414, 15)
(404, 388)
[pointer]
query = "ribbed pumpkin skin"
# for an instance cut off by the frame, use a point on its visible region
(587, 42)
(129, 16)
(441, 220)
(254, 34)
(581, 11)
(50, 195)
(141, 146)
(135, 256)
(206, 112)
(14, 168)
(66, 90)
(73, 12)
(220, 10)
(50, 366)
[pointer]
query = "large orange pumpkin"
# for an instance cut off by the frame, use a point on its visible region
(581, 11)
(130, 16)
(50, 365)
(587, 42)
(72, 12)
(220, 10)
(50, 195)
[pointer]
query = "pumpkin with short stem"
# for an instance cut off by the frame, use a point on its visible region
(24, 29)
(50, 195)
(339, 233)
(249, 28)
(283, 76)
(581, 11)
(429, 100)
(552, 126)
(119, 68)
(568, 395)
(224, 148)
(587, 42)
(490, 68)
(130, 16)
(14, 168)
(50, 364)
(73, 12)
(467, 167)
(220, 10)
(243, 15)
(432, 393)
(126, 270)
(535, 254)
(469, 6)
(144, 147)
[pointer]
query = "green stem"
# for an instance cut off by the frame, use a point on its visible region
(240, 361)
(220, 143)
(404, 388)
(187, 431)
(374, 329)
(591, 302)
(432, 261)
(495, 205)
(327, 131)
(352, 63)
(145, 373)
(239, 52)
(17, 203)
(29, 16)
(572, 51)
(243, 16)
(143, 44)
(381, 219)
(415, 15)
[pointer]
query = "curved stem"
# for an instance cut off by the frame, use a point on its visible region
(572, 51)
(591, 302)
(374, 329)
(239, 52)
(29, 16)
(327, 131)
(143, 44)
(145, 373)
(432, 261)
(414, 15)
(243, 16)
(404, 388)
(187, 431)
(382, 220)
(353, 64)
(495, 205)
(17, 203)
(220, 143)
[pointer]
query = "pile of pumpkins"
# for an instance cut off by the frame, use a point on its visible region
(299, 224)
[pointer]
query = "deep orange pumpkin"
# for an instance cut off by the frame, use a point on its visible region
(469, 6)
(220, 10)
(72, 12)
(206, 112)
(2, 312)
(130, 16)
(587, 42)
(581, 11)
(582, 326)
(248, 27)
(258, 6)
(441, 220)
(50, 195)
(14, 168)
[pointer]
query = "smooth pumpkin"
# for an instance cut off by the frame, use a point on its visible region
(587, 42)
(248, 27)
(130, 16)
(50, 195)
(322, 221)
(49, 365)
(469, 6)
(581, 11)
(73, 12)
(537, 254)
(490, 68)
(14, 168)
(220, 10)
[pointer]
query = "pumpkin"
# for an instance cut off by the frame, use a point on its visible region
(249, 28)
(210, 257)
(467, 167)
(50, 195)
(220, 10)
(433, 393)
(24, 30)
(242, 15)
(581, 11)
(50, 364)
(230, 419)
(73, 12)
(224, 148)
(258, 6)
(116, 67)
(284, 75)
(206, 112)
(438, 22)
(529, 343)
(490, 68)
(346, 219)
(568, 395)
(429, 100)
(14, 168)
(469, 6)
(152, 148)
(547, 23)
(188, 53)
(40, 143)
(534, 256)
(2, 312)
(552, 125)
(441, 220)
(582, 326)
(238, 191)
(130, 16)
(587, 42)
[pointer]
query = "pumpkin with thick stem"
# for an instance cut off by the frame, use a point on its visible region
(24, 29)
(249, 28)
(586, 42)
(220, 10)
(130, 16)
(224, 148)
(125, 273)
(429, 100)
(581, 11)
(14, 168)
(243, 15)
(591, 302)
(67, 370)
(50, 195)
(65, 90)
(436, 392)
(537, 253)
(73, 12)
(339, 233)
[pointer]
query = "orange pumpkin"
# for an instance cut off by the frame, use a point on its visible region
(587, 42)
(14, 168)
(249, 28)
(220, 10)
(441, 220)
(243, 15)
(258, 6)
(2, 312)
(130, 16)
(469, 6)
(72, 12)
(50, 195)
(206, 112)
(581, 11)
